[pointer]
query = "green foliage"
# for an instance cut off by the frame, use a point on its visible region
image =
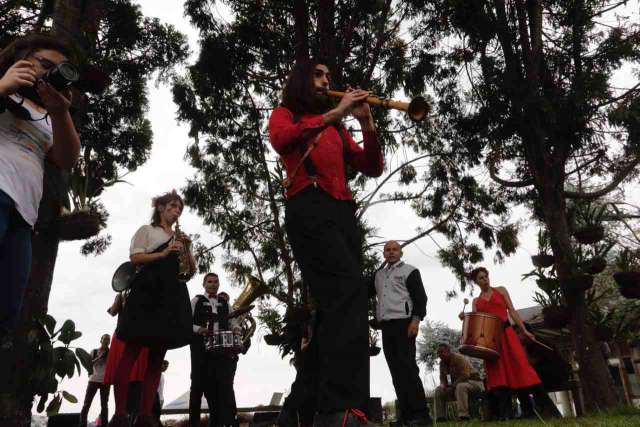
(628, 259)
(54, 360)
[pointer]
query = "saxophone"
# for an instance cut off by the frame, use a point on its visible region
(186, 267)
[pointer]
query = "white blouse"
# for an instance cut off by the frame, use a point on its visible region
(147, 239)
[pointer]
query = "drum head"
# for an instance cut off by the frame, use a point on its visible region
(123, 276)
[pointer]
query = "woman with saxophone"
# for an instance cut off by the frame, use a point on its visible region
(157, 314)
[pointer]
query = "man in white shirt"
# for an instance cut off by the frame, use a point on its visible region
(212, 373)
(401, 305)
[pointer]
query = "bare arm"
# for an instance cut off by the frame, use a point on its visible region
(66, 142)
(143, 258)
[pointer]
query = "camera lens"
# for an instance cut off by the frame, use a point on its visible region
(62, 75)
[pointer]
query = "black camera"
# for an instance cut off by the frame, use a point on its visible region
(62, 75)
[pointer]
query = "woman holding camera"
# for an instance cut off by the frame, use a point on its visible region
(35, 125)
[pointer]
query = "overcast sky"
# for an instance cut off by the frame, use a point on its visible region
(82, 286)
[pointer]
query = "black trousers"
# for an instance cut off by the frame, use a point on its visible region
(303, 396)
(212, 377)
(326, 244)
(92, 388)
(400, 352)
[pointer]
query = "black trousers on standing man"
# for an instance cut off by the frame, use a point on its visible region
(400, 352)
(212, 375)
(326, 244)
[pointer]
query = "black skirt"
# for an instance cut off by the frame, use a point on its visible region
(157, 312)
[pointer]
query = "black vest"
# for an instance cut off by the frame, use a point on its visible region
(203, 313)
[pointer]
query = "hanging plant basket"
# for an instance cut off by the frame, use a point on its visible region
(548, 284)
(579, 282)
(555, 317)
(590, 234)
(542, 260)
(78, 225)
(628, 283)
(595, 265)
(374, 350)
(273, 339)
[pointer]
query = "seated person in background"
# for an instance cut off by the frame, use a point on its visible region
(464, 379)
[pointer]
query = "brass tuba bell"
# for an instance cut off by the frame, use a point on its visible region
(254, 288)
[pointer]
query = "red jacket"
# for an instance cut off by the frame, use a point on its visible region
(327, 157)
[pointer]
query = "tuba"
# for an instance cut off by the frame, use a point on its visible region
(254, 288)
(186, 267)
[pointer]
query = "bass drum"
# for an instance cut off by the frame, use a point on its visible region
(481, 333)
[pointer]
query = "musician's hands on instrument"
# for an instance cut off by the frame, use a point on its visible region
(412, 330)
(529, 335)
(175, 246)
(203, 331)
(117, 305)
(461, 315)
(360, 109)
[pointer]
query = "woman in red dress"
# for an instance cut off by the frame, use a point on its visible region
(511, 372)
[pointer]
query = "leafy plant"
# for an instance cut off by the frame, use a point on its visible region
(55, 359)
(628, 260)
(589, 214)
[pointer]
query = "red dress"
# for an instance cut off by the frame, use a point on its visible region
(116, 349)
(512, 368)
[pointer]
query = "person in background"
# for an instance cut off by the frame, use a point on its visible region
(457, 379)
(96, 383)
(401, 306)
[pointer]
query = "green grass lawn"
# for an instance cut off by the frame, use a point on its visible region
(620, 418)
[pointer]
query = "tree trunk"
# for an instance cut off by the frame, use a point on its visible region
(593, 371)
(301, 28)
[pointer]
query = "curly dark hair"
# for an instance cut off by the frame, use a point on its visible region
(298, 94)
(474, 273)
(22, 47)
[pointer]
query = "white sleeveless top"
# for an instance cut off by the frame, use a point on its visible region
(23, 147)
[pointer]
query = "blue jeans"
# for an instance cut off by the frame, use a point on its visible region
(15, 261)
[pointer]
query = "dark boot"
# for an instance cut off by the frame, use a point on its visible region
(348, 418)
(505, 410)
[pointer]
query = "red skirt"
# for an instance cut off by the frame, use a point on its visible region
(115, 354)
(512, 368)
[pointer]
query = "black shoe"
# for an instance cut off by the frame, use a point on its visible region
(348, 418)
(441, 420)
(287, 418)
(463, 418)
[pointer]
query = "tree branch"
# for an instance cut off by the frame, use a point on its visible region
(493, 173)
(619, 177)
